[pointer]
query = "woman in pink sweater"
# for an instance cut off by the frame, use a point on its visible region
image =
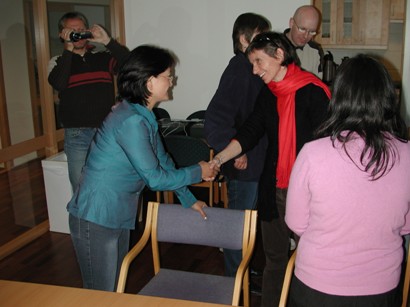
(349, 195)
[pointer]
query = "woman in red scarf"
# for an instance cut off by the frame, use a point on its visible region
(289, 109)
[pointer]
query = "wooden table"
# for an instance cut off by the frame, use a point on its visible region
(21, 294)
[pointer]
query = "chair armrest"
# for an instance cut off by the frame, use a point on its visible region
(242, 276)
(134, 252)
(287, 280)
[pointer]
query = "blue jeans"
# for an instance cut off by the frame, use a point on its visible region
(241, 195)
(76, 144)
(99, 251)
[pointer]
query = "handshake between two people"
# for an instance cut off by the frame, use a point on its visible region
(210, 169)
(232, 151)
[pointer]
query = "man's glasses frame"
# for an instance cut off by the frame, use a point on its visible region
(304, 30)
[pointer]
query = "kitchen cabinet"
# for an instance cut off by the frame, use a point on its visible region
(354, 24)
(397, 10)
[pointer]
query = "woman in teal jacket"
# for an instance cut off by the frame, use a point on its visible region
(126, 155)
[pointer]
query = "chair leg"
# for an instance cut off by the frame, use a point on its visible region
(140, 209)
(168, 197)
(224, 193)
(141, 204)
(216, 192)
(158, 196)
(246, 296)
(211, 194)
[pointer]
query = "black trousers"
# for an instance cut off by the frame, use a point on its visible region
(301, 295)
(275, 237)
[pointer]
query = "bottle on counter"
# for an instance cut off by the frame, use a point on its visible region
(329, 69)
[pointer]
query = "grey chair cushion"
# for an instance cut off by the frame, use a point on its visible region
(191, 286)
(223, 228)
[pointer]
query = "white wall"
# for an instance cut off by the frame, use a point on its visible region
(199, 32)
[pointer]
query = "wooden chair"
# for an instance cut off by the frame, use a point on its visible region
(233, 229)
(187, 151)
(287, 280)
(406, 283)
(141, 202)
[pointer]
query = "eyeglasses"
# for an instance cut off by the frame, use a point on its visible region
(304, 30)
(170, 78)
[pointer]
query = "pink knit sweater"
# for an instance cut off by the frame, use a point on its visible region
(351, 228)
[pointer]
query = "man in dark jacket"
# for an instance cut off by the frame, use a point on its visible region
(231, 105)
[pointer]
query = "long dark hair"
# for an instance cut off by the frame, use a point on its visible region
(141, 64)
(364, 102)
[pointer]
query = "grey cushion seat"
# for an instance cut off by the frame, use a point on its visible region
(191, 286)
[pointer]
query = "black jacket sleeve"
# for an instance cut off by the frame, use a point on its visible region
(261, 121)
(60, 70)
(118, 51)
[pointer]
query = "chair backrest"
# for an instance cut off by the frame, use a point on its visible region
(287, 280)
(187, 150)
(222, 228)
(195, 130)
(160, 113)
(234, 229)
(197, 115)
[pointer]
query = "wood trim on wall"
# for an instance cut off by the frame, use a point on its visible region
(117, 20)
(46, 92)
(22, 148)
(4, 121)
(34, 95)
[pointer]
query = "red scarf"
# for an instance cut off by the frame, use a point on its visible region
(285, 92)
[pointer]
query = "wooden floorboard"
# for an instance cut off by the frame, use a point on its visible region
(50, 259)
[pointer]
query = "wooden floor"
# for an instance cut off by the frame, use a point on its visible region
(51, 259)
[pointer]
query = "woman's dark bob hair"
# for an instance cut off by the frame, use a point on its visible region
(141, 64)
(270, 42)
(364, 103)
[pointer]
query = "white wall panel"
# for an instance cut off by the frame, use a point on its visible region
(199, 33)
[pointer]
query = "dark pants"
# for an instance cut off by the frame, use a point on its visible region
(302, 296)
(275, 237)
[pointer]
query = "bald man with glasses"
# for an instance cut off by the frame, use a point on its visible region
(303, 27)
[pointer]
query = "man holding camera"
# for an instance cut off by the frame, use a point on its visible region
(85, 83)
